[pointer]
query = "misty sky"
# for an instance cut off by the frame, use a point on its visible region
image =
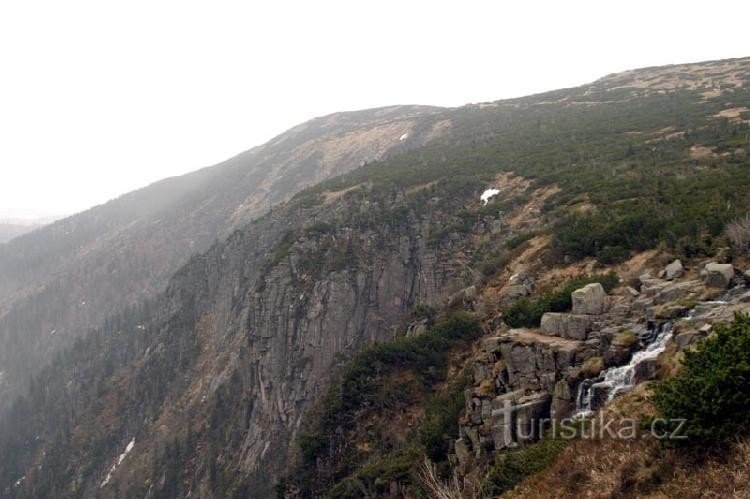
(100, 97)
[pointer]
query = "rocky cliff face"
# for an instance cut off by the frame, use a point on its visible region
(245, 339)
(576, 362)
(204, 388)
(60, 281)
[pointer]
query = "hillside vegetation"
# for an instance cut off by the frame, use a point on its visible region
(324, 348)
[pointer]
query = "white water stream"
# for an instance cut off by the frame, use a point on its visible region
(620, 379)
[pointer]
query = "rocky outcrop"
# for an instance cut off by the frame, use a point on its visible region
(250, 334)
(718, 275)
(525, 375)
(573, 326)
(69, 276)
(521, 378)
(578, 361)
(591, 300)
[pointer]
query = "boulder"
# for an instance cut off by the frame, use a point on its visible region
(571, 326)
(590, 299)
(677, 291)
(653, 287)
(669, 311)
(718, 275)
(674, 270)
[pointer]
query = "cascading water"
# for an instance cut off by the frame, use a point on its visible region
(620, 379)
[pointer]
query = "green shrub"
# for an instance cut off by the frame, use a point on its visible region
(712, 392)
(493, 264)
(425, 355)
(440, 423)
(375, 478)
(512, 467)
(516, 241)
(524, 313)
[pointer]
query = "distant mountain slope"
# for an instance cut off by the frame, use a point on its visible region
(205, 389)
(9, 231)
(67, 277)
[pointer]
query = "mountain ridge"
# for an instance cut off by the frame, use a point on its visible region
(214, 378)
(145, 235)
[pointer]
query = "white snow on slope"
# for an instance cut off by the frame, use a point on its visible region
(486, 195)
(119, 461)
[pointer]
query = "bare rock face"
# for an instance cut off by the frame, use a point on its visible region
(718, 275)
(669, 292)
(573, 326)
(590, 299)
(125, 251)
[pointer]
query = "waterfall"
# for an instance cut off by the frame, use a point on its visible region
(619, 379)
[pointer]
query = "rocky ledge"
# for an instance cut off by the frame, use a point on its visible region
(524, 376)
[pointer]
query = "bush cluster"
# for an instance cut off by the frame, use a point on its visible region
(712, 391)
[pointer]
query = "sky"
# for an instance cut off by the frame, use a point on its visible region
(101, 97)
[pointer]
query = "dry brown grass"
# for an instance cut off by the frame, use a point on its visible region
(438, 488)
(331, 196)
(610, 468)
(728, 477)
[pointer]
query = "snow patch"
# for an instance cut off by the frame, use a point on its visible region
(486, 195)
(120, 459)
(404, 137)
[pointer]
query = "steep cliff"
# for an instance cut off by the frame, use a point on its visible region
(205, 388)
(60, 281)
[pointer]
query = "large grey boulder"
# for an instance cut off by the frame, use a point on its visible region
(718, 275)
(574, 326)
(674, 270)
(590, 299)
(678, 290)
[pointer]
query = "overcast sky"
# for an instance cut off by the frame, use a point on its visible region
(101, 97)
